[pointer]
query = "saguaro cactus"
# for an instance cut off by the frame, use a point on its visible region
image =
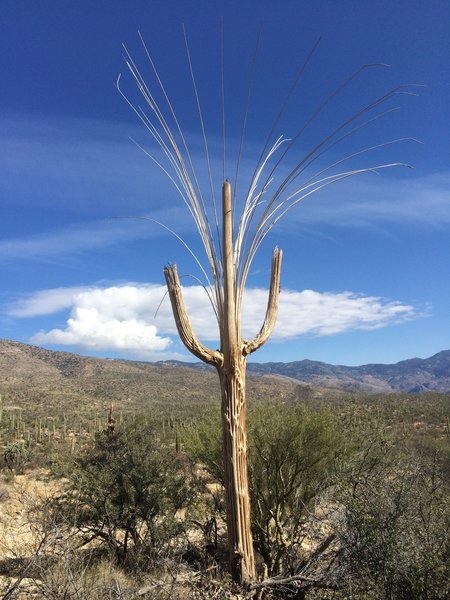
(229, 259)
(230, 362)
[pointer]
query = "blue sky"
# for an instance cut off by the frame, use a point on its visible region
(366, 262)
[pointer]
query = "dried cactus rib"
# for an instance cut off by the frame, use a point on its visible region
(184, 327)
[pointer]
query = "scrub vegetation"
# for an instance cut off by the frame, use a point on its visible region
(232, 231)
(349, 498)
(314, 496)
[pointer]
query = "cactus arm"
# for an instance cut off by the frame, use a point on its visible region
(184, 327)
(250, 346)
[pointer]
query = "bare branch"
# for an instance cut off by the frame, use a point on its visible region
(185, 331)
(272, 306)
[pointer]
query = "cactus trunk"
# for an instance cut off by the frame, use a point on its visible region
(232, 384)
(230, 362)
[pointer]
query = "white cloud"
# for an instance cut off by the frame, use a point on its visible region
(45, 302)
(90, 329)
(122, 318)
(109, 319)
(315, 313)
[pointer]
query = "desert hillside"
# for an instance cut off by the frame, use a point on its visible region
(42, 381)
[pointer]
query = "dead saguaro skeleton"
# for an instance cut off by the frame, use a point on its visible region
(230, 362)
(230, 250)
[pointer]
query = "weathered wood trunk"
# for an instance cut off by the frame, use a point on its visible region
(232, 384)
(230, 362)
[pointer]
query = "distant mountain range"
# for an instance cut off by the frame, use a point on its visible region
(24, 366)
(413, 375)
(46, 383)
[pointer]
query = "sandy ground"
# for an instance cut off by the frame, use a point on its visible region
(20, 497)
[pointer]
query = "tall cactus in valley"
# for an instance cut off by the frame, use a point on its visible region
(231, 248)
(230, 362)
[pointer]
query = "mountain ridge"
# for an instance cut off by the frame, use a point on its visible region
(412, 375)
(45, 382)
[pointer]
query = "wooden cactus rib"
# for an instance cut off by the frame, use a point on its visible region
(229, 334)
(272, 307)
(183, 323)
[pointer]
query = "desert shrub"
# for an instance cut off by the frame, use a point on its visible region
(292, 455)
(15, 456)
(127, 492)
(394, 527)
(72, 575)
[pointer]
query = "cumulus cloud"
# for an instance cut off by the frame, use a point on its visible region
(315, 313)
(88, 328)
(122, 318)
(110, 319)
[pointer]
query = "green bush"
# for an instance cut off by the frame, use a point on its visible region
(128, 492)
(292, 455)
(15, 457)
(395, 528)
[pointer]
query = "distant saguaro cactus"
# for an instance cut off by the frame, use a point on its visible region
(230, 252)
